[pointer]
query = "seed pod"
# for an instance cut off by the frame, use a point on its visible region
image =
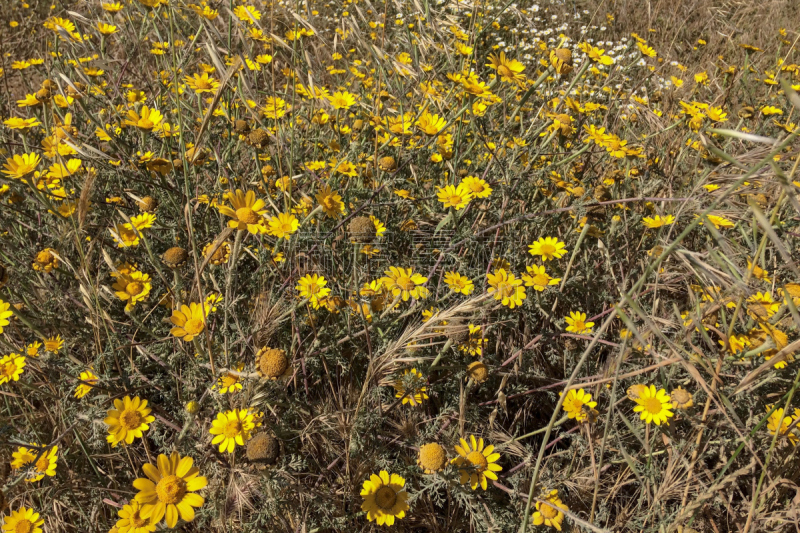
(263, 448)
(362, 230)
(175, 257)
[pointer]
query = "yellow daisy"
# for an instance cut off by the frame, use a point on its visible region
(132, 288)
(384, 498)
(147, 119)
(452, 196)
(132, 521)
(576, 323)
(538, 278)
(410, 387)
(43, 459)
(129, 419)
(312, 286)
(476, 463)
(231, 428)
(548, 248)
(170, 489)
(405, 283)
(247, 212)
(11, 367)
(654, 405)
(23, 520)
(189, 321)
(88, 381)
(506, 288)
(550, 513)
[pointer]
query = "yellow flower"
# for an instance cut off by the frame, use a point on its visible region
(330, 201)
(312, 286)
(44, 461)
(23, 520)
(576, 404)
(132, 288)
(538, 278)
(431, 124)
(106, 29)
(476, 463)
(132, 521)
(458, 283)
(129, 419)
(384, 498)
(478, 187)
(509, 70)
(283, 225)
(410, 387)
(779, 423)
(247, 13)
(170, 489)
(577, 323)
(403, 282)
(561, 60)
(189, 321)
(231, 428)
(432, 457)
(719, 221)
(475, 341)
(230, 383)
(16, 123)
(274, 107)
(654, 405)
(147, 120)
(596, 54)
(452, 196)
(53, 344)
(5, 314)
(658, 221)
(342, 100)
(202, 83)
(506, 288)
(551, 512)
(19, 166)
(247, 212)
(88, 381)
(771, 110)
(548, 248)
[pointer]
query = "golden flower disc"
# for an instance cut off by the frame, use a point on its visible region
(432, 457)
(548, 511)
(171, 489)
(478, 371)
(478, 460)
(232, 428)
(23, 526)
(386, 497)
(247, 215)
(273, 362)
(130, 419)
(387, 163)
(193, 326)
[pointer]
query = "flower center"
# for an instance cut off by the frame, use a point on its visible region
(541, 279)
(286, 227)
(405, 283)
(23, 526)
(130, 419)
(7, 369)
(42, 463)
(43, 257)
(146, 123)
(171, 489)
(232, 428)
(455, 199)
(136, 520)
(577, 404)
(504, 71)
(193, 326)
(504, 289)
(247, 215)
(548, 511)
(134, 288)
(652, 405)
(385, 498)
(478, 461)
(547, 249)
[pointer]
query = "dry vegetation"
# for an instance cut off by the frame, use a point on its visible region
(426, 266)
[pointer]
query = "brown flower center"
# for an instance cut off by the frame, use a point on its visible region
(171, 489)
(385, 498)
(7, 369)
(130, 419)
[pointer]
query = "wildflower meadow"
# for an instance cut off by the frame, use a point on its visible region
(415, 265)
